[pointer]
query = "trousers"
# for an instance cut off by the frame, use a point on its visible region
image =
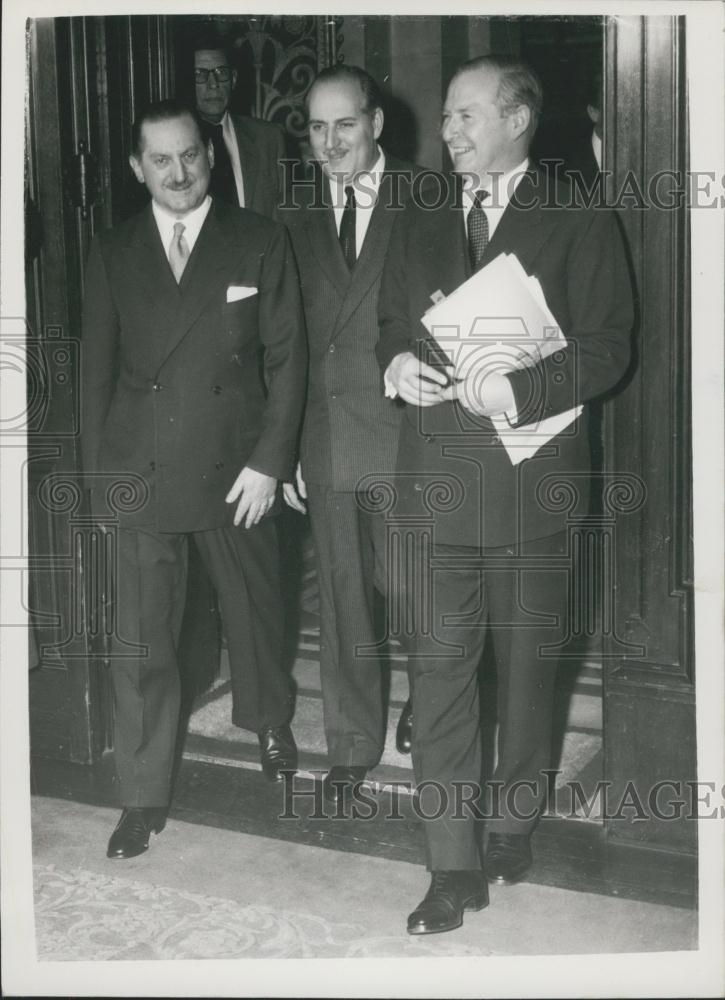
(243, 565)
(521, 598)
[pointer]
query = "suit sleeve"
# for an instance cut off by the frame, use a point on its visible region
(393, 301)
(99, 355)
(599, 296)
(282, 333)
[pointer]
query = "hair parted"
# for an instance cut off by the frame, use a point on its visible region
(517, 84)
(161, 111)
(342, 72)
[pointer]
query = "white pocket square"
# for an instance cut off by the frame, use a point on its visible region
(237, 292)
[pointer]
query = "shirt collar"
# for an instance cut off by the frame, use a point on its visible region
(597, 148)
(192, 222)
(365, 182)
(501, 189)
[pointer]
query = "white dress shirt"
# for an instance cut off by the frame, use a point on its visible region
(192, 223)
(597, 148)
(366, 185)
(230, 141)
(500, 190)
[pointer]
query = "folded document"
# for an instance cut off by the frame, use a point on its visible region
(498, 321)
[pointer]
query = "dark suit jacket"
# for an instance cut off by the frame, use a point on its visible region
(582, 162)
(350, 428)
(180, 386)
(578, 257)
(261, 147)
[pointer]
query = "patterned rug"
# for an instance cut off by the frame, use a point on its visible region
(85, 916)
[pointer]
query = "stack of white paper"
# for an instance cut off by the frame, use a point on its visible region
(499, 321)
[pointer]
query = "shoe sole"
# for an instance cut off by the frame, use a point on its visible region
(278, 776)
(502, 880)
(342, 792)
(127, 857)
(474, 905)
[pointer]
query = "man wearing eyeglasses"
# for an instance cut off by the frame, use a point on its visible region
(246, 151)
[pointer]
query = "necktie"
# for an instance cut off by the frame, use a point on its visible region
(178, 251)
(222, 183)
(347, 228)
(477, 230)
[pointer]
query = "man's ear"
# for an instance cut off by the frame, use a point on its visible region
(378, 120)
(594, 113)
(136, 167)
(520, 119)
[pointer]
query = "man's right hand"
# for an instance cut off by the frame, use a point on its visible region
(294, 497)
(415, 381)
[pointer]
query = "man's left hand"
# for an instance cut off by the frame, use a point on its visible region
(255, 492)
(485, 395)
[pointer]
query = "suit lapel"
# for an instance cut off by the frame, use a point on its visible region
(150, 261)
(445, 248)
(520, 230)
(211, 260)
(248, 160)
(153, 281)
(323, 237)
(372, 257)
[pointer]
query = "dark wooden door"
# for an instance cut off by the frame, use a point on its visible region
(86, 78)
(649, 684)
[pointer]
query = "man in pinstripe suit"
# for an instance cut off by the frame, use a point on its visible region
(340, 226)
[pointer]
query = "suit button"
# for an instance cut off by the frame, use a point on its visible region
(219, 465)
(156, 386)
(333, 395)
(216, 389)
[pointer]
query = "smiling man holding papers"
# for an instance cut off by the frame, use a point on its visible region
(498, 320)
(500, 558)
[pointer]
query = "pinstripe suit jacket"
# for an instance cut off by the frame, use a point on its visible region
(350, 429)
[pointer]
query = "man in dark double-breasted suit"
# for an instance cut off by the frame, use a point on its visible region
(340, 224)
(193, 382)
(499, 530)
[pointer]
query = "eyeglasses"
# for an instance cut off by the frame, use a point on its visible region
(222, 74)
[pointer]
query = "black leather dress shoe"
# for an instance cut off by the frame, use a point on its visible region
(508, 857)
(341, 781)
(131, 836)
(278, 751)
(404, 732)
(450, 893)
